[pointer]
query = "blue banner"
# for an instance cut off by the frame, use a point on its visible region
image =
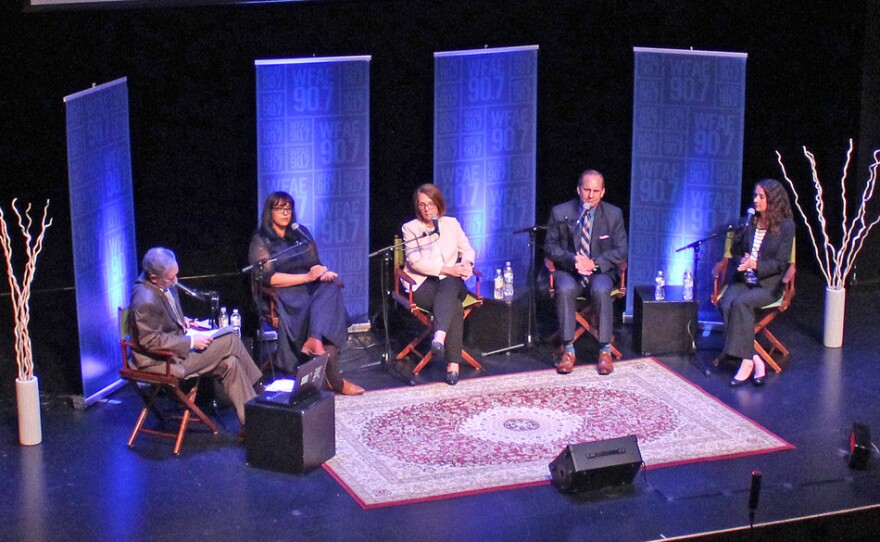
(313, 129)
(102, 224)
(688, 110)
(485, 105)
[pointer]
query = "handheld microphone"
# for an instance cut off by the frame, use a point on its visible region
(750, 213)
(190, 291)
(436, 222)
(754, 493)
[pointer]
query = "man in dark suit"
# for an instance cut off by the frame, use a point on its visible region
(157, 322)
(586, 240)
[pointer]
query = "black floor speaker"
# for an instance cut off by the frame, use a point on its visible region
(859, 446)
(595, 465)
(292, 438)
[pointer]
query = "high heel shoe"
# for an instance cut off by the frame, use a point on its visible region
(758, 380)
(452, 377)
(735, 382)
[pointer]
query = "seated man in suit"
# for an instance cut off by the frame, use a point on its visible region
(157, 322)
(586, 240)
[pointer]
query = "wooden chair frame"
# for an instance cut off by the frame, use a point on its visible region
(149, 385)
(766, 314)
(586, 313)
(425, 317)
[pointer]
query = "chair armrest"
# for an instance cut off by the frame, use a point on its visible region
(622, 288)
(788, 294)
(719, 274)
(402, 276)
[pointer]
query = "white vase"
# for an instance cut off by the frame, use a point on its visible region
(27, 396)
(835, 303)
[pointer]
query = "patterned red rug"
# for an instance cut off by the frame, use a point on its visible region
(406, 445)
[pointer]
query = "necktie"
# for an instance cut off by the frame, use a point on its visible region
(584, 247)
(173, 306)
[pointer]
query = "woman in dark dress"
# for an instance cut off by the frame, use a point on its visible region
(308, 301)
(764, 249)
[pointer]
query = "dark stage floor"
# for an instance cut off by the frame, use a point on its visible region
(83, 483)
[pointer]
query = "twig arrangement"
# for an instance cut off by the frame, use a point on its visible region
(21, 292)
(837, 263)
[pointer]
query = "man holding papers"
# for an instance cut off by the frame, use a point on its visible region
(157, 322)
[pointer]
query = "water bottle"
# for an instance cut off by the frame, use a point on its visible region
(688, 283)
(499, 285)
(508, 280)
(235, 321)
(223, 321)
(659, 287)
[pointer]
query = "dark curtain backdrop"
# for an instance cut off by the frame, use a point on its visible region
(191, 86)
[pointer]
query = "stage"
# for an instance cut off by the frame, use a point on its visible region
(83, 482)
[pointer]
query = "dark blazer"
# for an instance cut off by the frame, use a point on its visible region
(608, 241)
(153, 324)
(774, 255)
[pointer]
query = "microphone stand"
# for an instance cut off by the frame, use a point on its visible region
(531, 278)
(387, 254)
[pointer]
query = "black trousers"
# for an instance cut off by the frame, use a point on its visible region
(443, 298)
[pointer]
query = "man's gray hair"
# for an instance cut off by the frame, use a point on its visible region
(157, 261)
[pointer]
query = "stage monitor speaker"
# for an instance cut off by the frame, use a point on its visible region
(859, 446)
(595, 465)
(292, 438)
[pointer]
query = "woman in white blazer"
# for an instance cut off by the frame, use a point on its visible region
(439, 258)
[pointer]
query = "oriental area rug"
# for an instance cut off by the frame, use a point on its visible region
(406, 445)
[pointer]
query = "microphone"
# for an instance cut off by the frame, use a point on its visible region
(750, 213)
(190, 291)
(436, 222)
(754, 493)
(585, 208)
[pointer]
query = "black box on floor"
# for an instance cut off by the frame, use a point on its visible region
(663, 327)
(594, 465)
(291, 438)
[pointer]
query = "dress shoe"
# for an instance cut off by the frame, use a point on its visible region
(438, 352)
(313, 347)
(348, 388)
(452, 377)
(758, 380)
(605, 366)
(566, 364)
(734, 383)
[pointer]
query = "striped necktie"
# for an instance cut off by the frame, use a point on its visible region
(584, 247)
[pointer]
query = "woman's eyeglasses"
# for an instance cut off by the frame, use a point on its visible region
(285, 210)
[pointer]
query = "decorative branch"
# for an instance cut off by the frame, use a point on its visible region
(21, 292)
(836, 263)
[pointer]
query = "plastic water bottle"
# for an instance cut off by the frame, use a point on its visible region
(235, 322)
(688, 284)
(659, 287)
(508, 280)
(499, 285)
(223, 321)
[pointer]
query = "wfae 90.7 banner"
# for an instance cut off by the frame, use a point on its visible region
(313, 127)
(102, 224)
(687, 148)
(485, 104)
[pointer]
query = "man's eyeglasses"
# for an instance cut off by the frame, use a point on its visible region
(283, 210)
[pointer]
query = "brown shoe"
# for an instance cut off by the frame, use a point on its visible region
(605, 365)
(566, 364)
(313, 347)
(348, 388)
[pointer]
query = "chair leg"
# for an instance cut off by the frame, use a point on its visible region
(421, 365)
(777, 345)
(768, 359)
(137, 427)
(470, 360)
(411, 347)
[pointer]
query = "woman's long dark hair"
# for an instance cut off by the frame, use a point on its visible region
(266, 223)
(778, 204)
